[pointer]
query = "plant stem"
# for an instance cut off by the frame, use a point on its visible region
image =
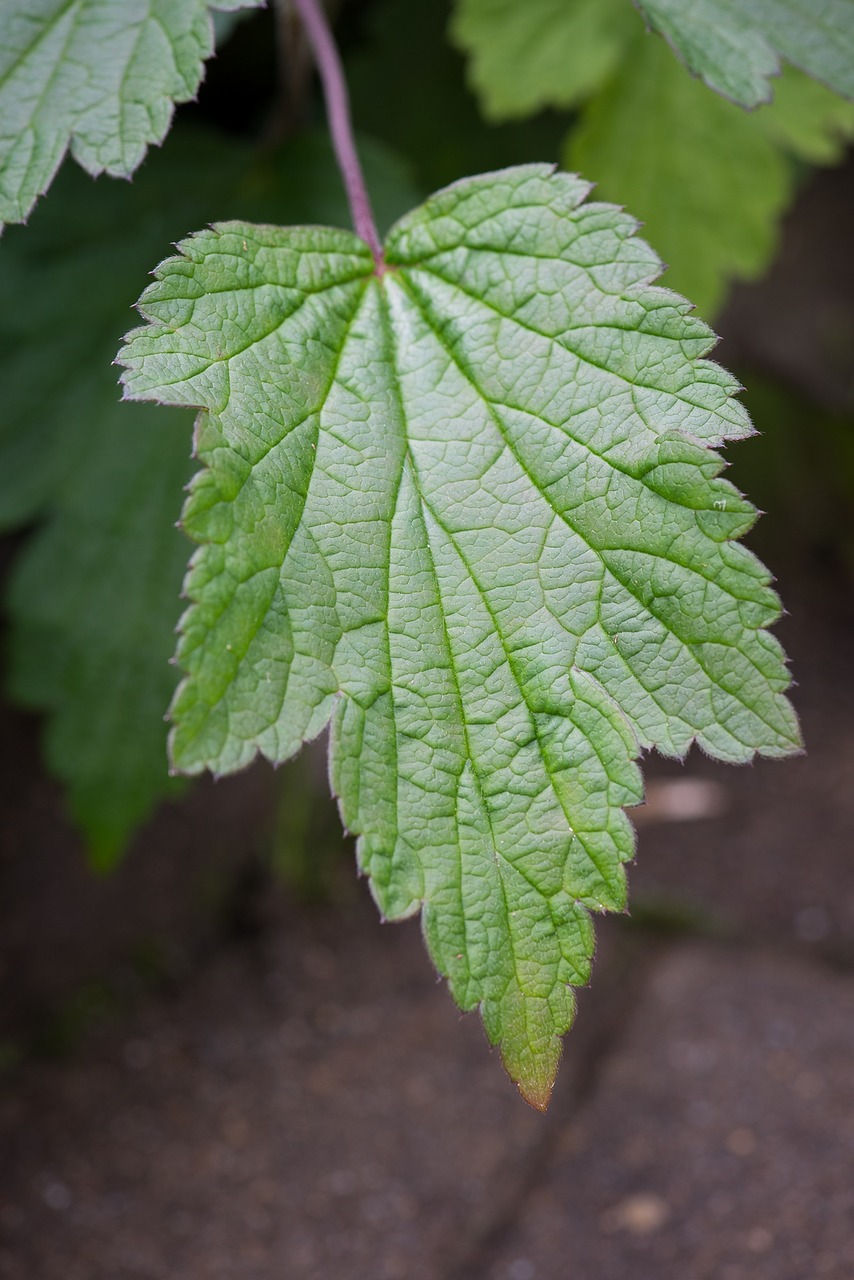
(338, 110)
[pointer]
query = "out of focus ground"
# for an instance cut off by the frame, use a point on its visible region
(208, 1076)
(298, 1097)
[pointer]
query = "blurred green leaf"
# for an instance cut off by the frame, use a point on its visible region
(709, 185)
(709, 181)
(541, 53)
(93, 605)
(736, 46)
(94, 597)
(811, 122)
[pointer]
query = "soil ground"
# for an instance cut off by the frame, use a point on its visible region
(301, 1099)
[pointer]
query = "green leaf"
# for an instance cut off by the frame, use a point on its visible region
(641, 134)
(706, 179)
(736, 45)
(100, 77)
(542, 53)
(716, 219)
(93, 601)
(93, 598)
(469, 513)
(807, 120)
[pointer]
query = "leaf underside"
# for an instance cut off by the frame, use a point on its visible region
(468, 513)
(98, 76)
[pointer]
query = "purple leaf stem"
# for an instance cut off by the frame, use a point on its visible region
(331, 72)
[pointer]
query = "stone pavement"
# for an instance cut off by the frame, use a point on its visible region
(308, 1104)
(321, 1111)
(719, 1144)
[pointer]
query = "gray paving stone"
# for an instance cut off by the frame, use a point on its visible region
(324, 1112)
(720, 1141)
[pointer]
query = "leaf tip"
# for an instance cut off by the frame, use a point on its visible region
(534, 1069)
(537, 1094)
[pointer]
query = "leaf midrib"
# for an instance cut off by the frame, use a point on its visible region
(452, 666)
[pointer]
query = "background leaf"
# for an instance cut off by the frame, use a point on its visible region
(709, 186)
(93, 600)
(807, 120)
(717, 220)
(543, 53)
(98, 76)
(478, 525)
(736, 45)
(710, 182)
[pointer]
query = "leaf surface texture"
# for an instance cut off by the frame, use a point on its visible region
(468, 513)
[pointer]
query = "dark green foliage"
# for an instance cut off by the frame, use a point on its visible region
(93, 600)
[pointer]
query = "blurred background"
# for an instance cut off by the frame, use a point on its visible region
(214, 1061)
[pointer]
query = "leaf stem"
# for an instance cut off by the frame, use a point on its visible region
(338, 110)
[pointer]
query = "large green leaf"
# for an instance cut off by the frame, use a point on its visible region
(710, 181)
(98, 76)
(468, 512)
(94, 597)
(736, 45)
(542, 53)
(806, 119)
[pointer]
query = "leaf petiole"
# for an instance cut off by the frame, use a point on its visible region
(331, 72)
